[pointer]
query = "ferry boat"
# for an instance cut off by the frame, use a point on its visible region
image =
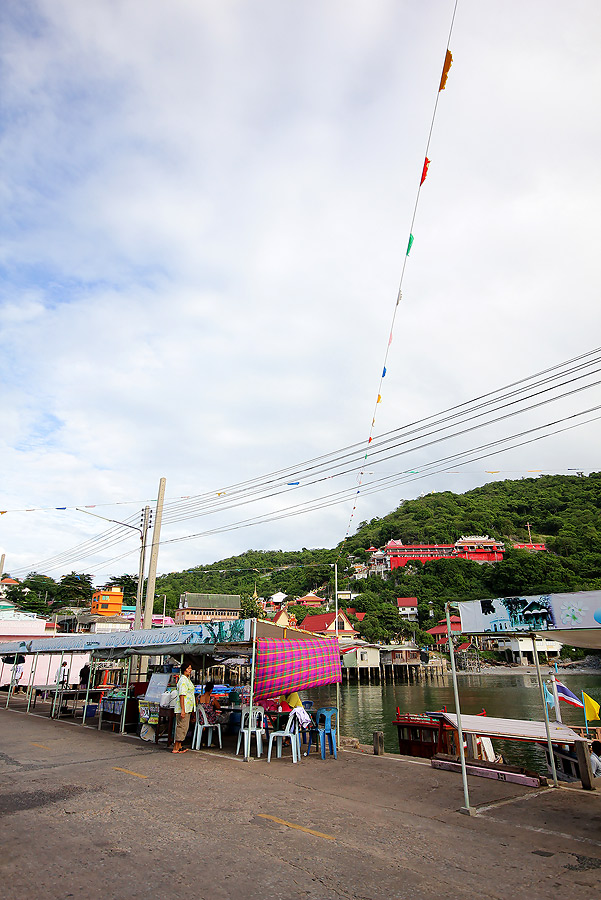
(427, 735)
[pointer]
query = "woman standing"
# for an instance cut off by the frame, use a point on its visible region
(185, 694)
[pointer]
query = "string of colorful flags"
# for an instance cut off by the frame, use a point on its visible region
(448, 61)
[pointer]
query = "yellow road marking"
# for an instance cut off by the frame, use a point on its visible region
(320, 834)
(129, 772)
(43, 746)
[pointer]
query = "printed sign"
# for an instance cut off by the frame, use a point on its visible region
(543, 612)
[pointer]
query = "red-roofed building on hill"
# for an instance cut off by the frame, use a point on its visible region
(441, 627)
(326, 624)
(440, 631)
(310, 600)
(478, 548)
(351, 611)
(407, 608)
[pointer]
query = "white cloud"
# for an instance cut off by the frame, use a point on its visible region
(206, 213)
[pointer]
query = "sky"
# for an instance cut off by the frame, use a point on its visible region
(205, 215)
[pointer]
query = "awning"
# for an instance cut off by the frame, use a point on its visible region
(513, 729)
(193, 639)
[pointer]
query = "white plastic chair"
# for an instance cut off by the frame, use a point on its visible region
(256, 728)
(201, 723)
(290, 731)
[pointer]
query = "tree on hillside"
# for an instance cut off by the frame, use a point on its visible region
(128, 584)
(35, 593)
(74, 590)
(250, 609)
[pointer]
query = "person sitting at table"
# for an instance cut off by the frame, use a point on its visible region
(290, 700)
(212, 706)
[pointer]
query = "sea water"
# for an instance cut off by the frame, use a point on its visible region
(510, 694)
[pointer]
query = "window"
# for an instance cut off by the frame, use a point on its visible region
(104, 606)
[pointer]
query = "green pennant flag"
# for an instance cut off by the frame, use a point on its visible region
(410, 244)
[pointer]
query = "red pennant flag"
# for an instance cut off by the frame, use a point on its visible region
(425, 171)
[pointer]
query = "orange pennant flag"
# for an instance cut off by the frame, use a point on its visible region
(448, 62)
(424, 171)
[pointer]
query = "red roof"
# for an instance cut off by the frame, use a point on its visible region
(310, 600)
(9, 581)
(441, 628)
(406, 601)
(464, 646)
(351, 611)
(321, 622)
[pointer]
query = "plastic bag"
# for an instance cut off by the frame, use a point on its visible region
(147, 733)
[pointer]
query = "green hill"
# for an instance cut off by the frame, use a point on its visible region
(563, 511)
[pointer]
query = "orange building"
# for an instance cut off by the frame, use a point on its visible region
(107, 602)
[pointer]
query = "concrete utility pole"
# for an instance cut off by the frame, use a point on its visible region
(140, 591)
(2, 558)
(152, 570)
(154, 555)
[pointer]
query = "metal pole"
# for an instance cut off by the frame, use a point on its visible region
(125, 697)
(252, 689)
(85, 703)
(546, 714)
(338, 648)
(140, 590)
(32, 675)
(12, 683)
(467, 809)
(59, 676)
(555, 698)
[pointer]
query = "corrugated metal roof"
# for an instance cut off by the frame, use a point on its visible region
(516, 729)
(212, 601)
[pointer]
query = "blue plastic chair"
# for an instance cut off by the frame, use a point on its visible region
(324, 726)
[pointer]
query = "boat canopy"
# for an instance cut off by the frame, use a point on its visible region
(513, 729)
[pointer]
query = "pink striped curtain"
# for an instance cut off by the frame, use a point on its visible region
(283, 666)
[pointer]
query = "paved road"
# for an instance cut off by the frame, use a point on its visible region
(95, 815)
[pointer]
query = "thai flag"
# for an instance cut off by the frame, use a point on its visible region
(567, 696)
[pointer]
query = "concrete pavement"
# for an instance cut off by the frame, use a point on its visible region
(90, 814)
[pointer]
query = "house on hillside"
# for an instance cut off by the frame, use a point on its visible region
(284, 619)
(440, 631)
(7, 583)
(276, 602)
(311, 600)
(407, 608)
(325, 624)
(351, 611)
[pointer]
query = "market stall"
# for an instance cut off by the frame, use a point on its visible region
(281, 659)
